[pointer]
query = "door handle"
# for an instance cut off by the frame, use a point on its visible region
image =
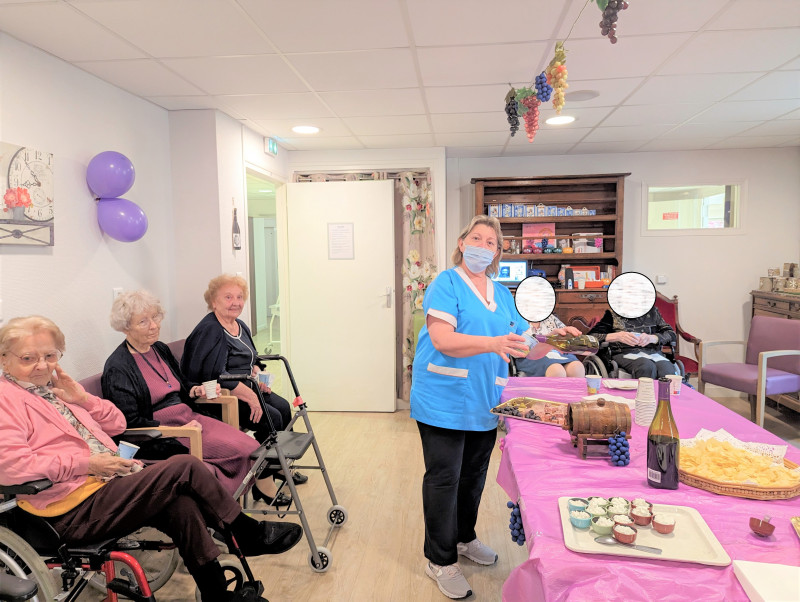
(388, 295)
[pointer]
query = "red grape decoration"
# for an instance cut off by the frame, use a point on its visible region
(529, 109)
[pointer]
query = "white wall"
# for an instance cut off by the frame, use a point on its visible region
(58, 108)
(712, 275)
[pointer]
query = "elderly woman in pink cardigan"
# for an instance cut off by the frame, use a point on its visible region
(51, 428)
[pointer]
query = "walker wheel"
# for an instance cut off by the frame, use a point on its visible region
(337, 515)
(324, 557)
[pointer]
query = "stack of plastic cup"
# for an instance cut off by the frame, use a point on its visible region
(645, 407)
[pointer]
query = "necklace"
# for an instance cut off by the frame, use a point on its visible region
(165, 376)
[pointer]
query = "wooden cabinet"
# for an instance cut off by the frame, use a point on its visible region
(595, 202)
(777, 305)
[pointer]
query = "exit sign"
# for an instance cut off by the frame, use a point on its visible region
(271, 146)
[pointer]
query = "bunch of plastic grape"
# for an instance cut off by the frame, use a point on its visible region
(608, 26)
(512, 115)
(517, 530)
(619, 450)
(557, 76)
(543, 89)
(531, 116)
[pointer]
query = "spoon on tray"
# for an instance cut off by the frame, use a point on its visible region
(609, 540)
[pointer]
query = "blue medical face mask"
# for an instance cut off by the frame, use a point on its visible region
(477, 258)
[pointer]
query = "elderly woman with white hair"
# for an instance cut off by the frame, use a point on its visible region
(143, 379)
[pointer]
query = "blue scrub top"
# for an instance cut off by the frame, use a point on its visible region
(459, 392)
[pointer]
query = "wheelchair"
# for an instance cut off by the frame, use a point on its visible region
(603, 365)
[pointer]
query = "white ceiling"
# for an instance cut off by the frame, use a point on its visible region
(685, 74)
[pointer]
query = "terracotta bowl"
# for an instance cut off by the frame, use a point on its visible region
(617, 522)
(642, 521)
(760, 527)
(663, 528)
(623, 538)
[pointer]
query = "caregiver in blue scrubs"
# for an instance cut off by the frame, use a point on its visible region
(460, 368)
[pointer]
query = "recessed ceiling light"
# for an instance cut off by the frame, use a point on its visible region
(582, 95)
(560, 120)
(305, 129)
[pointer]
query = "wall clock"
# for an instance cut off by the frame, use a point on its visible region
(27, 215)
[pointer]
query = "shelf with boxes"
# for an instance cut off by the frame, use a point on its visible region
(553, 221)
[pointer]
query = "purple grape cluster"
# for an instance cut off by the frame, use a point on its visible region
(513, 115)
(619, 450)
(543, 89)
(517, 530)
(608, 26)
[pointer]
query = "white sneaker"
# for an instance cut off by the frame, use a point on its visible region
(477, 552)
(450, 579)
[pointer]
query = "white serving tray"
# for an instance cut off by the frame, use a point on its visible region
(691, 541)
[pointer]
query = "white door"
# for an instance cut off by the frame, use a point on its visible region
(340, 302)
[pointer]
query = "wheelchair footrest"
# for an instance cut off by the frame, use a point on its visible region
(293, 445)
(123, 587)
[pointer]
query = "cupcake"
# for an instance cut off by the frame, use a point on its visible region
(624, 534)
(664, 523)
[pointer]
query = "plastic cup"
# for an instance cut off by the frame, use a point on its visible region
(127, 450)
(593, 384)
(266, 378)
(211, 389)
(581, 284)
(675, 382)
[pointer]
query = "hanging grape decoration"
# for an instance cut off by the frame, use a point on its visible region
(512, 111)
(529, 109)
(556, 73)
(610, 8)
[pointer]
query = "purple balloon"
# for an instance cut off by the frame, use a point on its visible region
(110, 174)
(121, 219)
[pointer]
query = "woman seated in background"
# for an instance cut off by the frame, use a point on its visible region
(222, 344)
(52, 429)
(553, 363)
(143, 379)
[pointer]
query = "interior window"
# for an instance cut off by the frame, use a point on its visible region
(693, 207)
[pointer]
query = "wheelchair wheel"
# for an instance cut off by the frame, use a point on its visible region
(158, 565)
(20, 559)
(234, 575)
(594, 365)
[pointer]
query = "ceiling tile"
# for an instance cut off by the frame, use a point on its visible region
(282, 128)
(277, 106)
(365, 103)
(775, 86)
(473, 139)
(751, 110)
(466, 99)
(709, 130)
(754, 142)
(792, 65)
(398, 141)
(677, 144)
(359, 70)
(792, 115)
(601, 148)
(689, 88)
(474, 152)
(480, 22)
(670, 114)
(322, 25)
(257, 74)
(623, 133)
(735, 51)
(551, 134)
(141, 77)
(172, 28)
(784, 127)
(387, 126)
(470, 65)
(612, 91)
(537, 148)
(180, 103)
(61, 30)
(444, 123)
(584, 117)
(743, 14)
(343, 143)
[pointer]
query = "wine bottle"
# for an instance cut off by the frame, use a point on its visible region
(237, 234)
(584, 343)
(663, 443)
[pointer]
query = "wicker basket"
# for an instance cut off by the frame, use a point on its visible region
(746, 491)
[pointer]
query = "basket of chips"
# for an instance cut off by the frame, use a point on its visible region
(720, 463)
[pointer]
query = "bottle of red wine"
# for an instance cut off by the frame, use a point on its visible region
(237, 234)
(581, 344)
(663, 443)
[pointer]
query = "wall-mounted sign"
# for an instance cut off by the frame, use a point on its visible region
(271, 146)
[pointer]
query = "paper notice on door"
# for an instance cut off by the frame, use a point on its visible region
(341, 244)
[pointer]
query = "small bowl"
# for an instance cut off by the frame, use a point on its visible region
(648, 504)
(663, 528)
(612, 510)
(572, 506)
(603, 503)
(620, 501)
(580, 523)
(761, 527)
(623, 538)
(642, 521)
(599, 529)
(618, 518)
(596, 511)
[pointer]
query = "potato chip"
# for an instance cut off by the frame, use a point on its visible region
(720, 461)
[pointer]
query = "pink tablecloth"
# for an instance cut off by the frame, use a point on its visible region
(539, 465)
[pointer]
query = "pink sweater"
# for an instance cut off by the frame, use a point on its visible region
(36, 442)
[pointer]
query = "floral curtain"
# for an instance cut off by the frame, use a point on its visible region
(419, 266)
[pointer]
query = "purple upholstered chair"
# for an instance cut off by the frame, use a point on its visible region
(776, 340)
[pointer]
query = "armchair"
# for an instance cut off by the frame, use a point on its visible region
(774, 340)
(668, 308)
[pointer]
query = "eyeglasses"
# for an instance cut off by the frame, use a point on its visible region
(29, 360)
(145, 323)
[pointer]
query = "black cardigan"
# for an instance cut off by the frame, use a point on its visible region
(124, 385)
(205, 355)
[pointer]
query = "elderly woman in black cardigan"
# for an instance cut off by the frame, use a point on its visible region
(143, 379)
(222, 343)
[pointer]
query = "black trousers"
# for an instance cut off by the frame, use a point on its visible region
(643, 367)
(279, 410)
(455, 474)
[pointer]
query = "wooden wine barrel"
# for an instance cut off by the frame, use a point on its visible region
(599, 417)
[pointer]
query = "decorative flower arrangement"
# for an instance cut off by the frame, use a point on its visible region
(16, 197)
